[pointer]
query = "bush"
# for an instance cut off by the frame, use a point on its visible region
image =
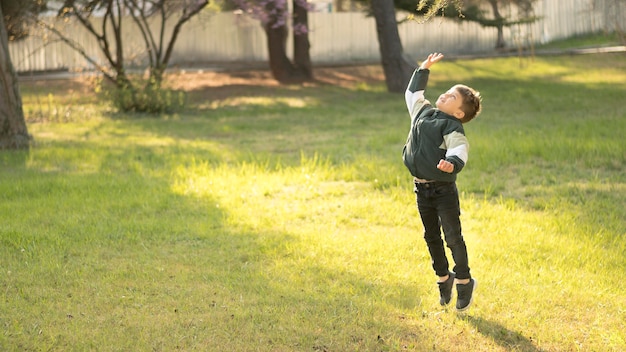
(152, 99)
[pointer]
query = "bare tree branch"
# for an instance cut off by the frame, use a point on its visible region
(79, 49)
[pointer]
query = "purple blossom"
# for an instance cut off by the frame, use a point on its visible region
(274, 13)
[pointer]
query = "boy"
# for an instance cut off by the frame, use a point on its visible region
(435, 151)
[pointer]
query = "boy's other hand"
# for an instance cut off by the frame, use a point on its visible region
(431, 60)
(445, 166)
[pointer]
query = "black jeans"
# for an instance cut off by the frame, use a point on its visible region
(438, 205)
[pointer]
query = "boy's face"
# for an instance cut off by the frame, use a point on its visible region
(450, 102)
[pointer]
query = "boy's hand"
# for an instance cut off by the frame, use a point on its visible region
(445, 166)
(431, 60)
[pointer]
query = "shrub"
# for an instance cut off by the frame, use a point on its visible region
(152, 99)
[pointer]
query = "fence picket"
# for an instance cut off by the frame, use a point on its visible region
(336, 38)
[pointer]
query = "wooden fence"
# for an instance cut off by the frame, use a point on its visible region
(336, 38)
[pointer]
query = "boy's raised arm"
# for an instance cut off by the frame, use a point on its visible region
(431, 60)
(414, 95)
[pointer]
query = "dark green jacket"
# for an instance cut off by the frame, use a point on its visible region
(434, 135)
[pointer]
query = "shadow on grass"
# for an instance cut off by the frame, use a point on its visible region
(510, 340)
(11, 158)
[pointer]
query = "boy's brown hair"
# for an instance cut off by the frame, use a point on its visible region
(471, 105)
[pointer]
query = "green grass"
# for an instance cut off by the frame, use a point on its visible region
(584, 41)
(282, 219)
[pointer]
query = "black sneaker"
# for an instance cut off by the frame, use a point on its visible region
(445, 289)
(465, 294)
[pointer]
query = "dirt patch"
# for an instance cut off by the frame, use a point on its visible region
(206, 85)
(214, 83)
(344, 76)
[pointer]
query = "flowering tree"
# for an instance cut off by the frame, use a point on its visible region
(274, 17)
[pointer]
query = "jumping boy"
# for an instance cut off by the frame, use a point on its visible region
(435, 152)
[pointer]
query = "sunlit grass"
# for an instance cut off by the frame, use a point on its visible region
(286, 222)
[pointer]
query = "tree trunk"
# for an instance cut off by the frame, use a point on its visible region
(280, 65)
(500, 43)
(301, 44)
(283, 70)
(13, 131)
(396, 67)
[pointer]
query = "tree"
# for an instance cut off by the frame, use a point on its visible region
(301, 44)
(110, 39)
(13, 130)
(525, 15)
(274, 15)
(615, 11)
(17, 16)
(396, 66)
(474, 11)
(160, 51)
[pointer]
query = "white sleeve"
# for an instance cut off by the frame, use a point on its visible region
(414, 102)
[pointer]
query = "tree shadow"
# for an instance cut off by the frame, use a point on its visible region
(509, 339)
(9, 158)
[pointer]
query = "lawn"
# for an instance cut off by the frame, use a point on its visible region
(271, 218)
